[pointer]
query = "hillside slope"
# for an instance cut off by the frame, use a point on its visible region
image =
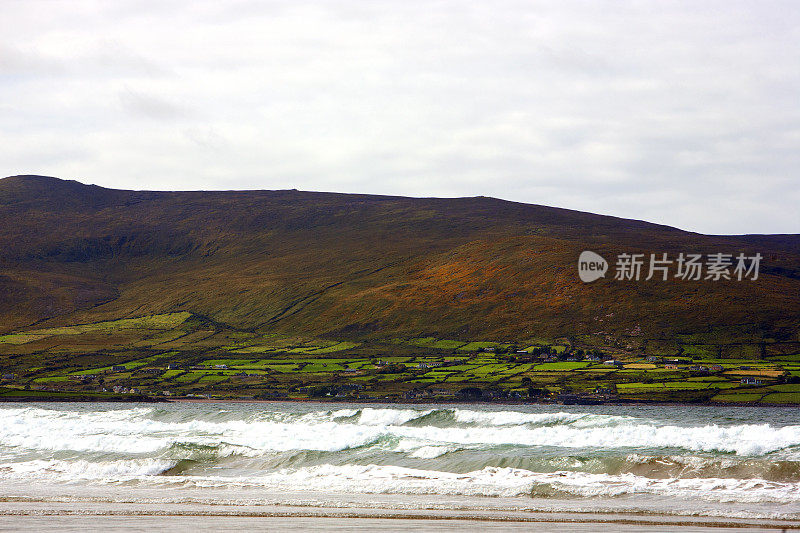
(360, 266)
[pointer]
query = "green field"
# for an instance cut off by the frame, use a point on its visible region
(79, 359)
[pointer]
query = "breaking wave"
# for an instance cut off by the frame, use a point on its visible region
(532, 452)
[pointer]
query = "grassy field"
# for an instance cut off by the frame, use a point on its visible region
(144, 356)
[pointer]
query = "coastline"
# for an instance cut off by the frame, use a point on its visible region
(381, 401)
(36, 518)
(484, 403)
(130, 508)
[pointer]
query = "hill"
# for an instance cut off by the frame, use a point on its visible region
(360, 267)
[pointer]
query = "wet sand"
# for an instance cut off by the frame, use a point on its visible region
(191, 524)
(97, 516)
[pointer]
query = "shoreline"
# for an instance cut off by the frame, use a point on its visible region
(584, 519)
(383, 401)
(348, 514)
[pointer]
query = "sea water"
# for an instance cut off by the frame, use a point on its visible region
(509, 460)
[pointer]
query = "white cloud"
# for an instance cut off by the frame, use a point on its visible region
(674, 112)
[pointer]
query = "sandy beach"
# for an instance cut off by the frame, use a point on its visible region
(82, 516)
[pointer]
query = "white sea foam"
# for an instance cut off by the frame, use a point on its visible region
(389, 417)
(749, 439)
(513, 418)
(132, 431)
(421, 449)
(381, 479)
(111, 471)
(507, 482)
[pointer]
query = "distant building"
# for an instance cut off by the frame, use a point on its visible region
(751, 381)
(671, 366)
(119, 368)
(605, 390)
(717, 368)
(173, 366)
(221, 367)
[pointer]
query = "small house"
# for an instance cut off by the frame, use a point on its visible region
(610, 390)
(751, 381)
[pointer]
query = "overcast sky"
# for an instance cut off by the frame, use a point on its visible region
(681, 113)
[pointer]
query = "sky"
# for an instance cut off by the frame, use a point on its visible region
(680, 113)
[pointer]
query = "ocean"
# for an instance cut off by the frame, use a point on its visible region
(498, 465)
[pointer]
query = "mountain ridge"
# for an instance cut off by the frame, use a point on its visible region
(362, 266)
